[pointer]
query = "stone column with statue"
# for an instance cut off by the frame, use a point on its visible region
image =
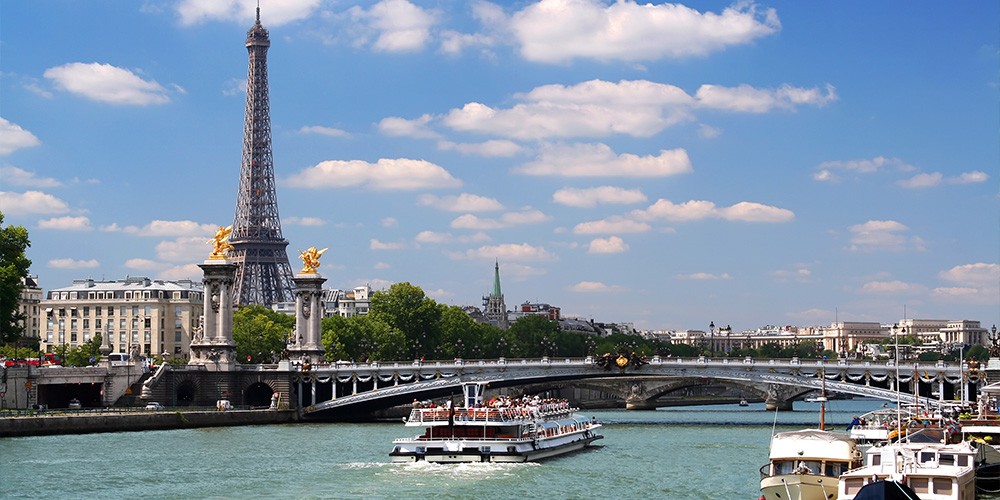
(309, 308)
(212, 344)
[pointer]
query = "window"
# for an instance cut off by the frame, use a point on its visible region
(148, 321)
(72, 337)
(98, 311)
(86, 311)
(146, 336)
(177, 336)
(135, 310)
(148, 311)
(135, 337)
(111, 310)
(86, 323)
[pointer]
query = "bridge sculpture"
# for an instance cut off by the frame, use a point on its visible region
(339, 390)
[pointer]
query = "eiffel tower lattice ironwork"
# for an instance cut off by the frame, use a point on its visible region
(263, 275)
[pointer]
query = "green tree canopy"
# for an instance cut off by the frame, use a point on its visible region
(14, 265)
(405, 308)
(260, 333)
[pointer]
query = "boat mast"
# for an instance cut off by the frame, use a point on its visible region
(822, 400)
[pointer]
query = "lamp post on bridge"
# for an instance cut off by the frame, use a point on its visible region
(711, 339)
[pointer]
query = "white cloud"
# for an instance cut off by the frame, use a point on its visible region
(389, 222)
(244, 11)
(704, 277)
(327, 131)
(433, 237)
(304, 221)
(395, 126)
(974, 177)
(184, 249)
(747, 99)
(594, 287)
(73, 264)
(507, 252)
(186, 271)
(13, 176)
(556, 31)
(66, 224)
(398, 26)
(611, 225)
(162, 228)
(464, 202)
(979, 274)
(375, 244)
(708, 132)
(876, 235)
(598, 160)
(891, 288)
(826, 171)
(107, 83)
(613, 244)
(510, 219)
(603, 195)
(493, 148)
(31, 202)
(13, 137)
(381, 265)
(144, 264)
(800, 274)
(594, 108)
(385, 175)
(934, 179)
(922, 181)
(743, 211)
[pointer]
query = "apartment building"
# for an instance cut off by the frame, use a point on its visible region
(158, 316)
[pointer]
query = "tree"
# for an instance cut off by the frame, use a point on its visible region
(260, 333)
(85, 354)
(978, 352)
(14, 265)
(358, 338)
(405, 308)
(533, 336)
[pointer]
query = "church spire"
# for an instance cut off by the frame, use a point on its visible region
(496, 280)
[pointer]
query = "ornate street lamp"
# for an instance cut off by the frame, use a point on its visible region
(711, 347)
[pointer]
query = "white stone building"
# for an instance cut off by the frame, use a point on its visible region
(158, 316)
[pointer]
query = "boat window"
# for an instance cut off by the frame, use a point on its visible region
(947, 460)
(835, 469)
(926, 456)
(876, 459)
(783, 466)
(853, 485)
(920, 485)
(942, 486)
(963, 461)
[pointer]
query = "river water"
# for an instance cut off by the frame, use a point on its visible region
(705, 452)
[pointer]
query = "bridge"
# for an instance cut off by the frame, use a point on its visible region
(339, 390)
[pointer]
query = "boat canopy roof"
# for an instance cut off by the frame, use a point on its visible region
(812, 444)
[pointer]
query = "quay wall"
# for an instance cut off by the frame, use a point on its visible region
(159, 420)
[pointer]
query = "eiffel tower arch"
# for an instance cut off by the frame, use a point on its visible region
(263, 274)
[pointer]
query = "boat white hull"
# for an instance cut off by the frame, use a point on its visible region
(467, 451)
(799, 487)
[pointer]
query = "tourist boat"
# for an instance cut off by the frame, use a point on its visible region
(807, 464)
(932, 469)
(514, 430)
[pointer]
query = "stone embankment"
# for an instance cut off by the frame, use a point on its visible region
(84, 423)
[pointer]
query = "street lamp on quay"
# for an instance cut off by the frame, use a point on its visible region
(711, 339)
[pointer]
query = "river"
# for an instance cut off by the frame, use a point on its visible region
(705, 452)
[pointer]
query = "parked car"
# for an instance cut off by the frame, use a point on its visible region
(74, 404)
(153, 405)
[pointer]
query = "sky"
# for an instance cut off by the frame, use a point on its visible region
(665, 164)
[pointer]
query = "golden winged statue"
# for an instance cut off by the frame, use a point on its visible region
(220, 243)
(310, 259)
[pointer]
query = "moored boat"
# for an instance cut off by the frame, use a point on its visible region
(934, 470)
(509, 430)
(807, 464)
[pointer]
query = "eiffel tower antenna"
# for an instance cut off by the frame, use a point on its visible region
(263, 275)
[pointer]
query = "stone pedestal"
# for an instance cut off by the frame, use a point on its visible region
(308, 333)
(212, 344)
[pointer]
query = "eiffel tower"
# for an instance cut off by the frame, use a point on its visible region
(263, 275)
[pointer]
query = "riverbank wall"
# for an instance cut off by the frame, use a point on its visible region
(68, 423)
